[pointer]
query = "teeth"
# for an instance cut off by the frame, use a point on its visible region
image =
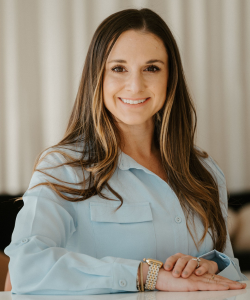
(133, 102)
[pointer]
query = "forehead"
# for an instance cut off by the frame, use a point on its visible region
(133, 44)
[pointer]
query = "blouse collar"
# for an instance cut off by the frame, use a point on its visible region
(126, 162)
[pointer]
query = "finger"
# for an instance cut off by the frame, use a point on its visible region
(180, 265)
(203, 269)
(170, 262)
(209, 277)
(221, 278)
(217, 277)
(189, 268)
(215, 286)
(233, 285)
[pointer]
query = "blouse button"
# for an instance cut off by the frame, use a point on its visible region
(177, 220)
(122, 282)
(24, 241)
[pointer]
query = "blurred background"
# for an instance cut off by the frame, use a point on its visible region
(43, 44)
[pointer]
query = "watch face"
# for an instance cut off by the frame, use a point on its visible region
(151, 260)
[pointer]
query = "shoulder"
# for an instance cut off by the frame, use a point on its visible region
(55, 164)
(213, 167)
(50, 173)
(60, 154)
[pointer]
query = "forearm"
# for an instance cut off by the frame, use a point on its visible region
(65, 272)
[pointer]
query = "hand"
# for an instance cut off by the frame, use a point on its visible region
(183, 265)
(166, 282)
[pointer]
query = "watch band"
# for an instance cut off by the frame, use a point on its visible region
(153, 271)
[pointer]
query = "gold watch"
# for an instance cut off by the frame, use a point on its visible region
(154, 267)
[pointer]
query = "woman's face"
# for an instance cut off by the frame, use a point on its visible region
(136, 70)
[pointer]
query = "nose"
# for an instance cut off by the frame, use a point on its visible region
(135, 83)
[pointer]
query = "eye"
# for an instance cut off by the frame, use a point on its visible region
(117, 68)
(152, 67)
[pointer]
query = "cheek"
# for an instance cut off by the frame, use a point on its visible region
(111, 88)
(111, 85)
(162, 83)
(161, 90)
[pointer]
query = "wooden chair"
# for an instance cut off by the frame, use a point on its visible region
(5, 284)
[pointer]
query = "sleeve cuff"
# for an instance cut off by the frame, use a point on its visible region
(124, 275)
(225, 264)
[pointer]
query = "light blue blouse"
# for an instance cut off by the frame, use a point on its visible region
(76, 248)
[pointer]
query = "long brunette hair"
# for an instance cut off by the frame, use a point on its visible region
(92, 125)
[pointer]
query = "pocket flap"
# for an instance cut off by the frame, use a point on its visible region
(127, 213)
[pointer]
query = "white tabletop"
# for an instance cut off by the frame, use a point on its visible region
(156, 295)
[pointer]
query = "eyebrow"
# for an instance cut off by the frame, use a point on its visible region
(147, 62)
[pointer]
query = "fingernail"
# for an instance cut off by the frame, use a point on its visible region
(177, 272)
(167, 266)
(238, 283)
(185, 272)
(226, 285)
(198, 272)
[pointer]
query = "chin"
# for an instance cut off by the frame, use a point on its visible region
(133, 121)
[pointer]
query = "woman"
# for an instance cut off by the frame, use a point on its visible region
(126, 182)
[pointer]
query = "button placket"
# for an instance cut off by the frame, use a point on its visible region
(178, 219)
(24, 241)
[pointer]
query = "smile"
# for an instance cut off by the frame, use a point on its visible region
(133, 102)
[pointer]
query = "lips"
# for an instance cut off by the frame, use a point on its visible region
(134, 105)
(134, 99)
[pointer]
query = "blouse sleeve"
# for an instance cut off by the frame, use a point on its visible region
(39, 260)
(228, 265)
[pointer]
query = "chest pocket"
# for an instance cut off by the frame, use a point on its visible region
(126, 233)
